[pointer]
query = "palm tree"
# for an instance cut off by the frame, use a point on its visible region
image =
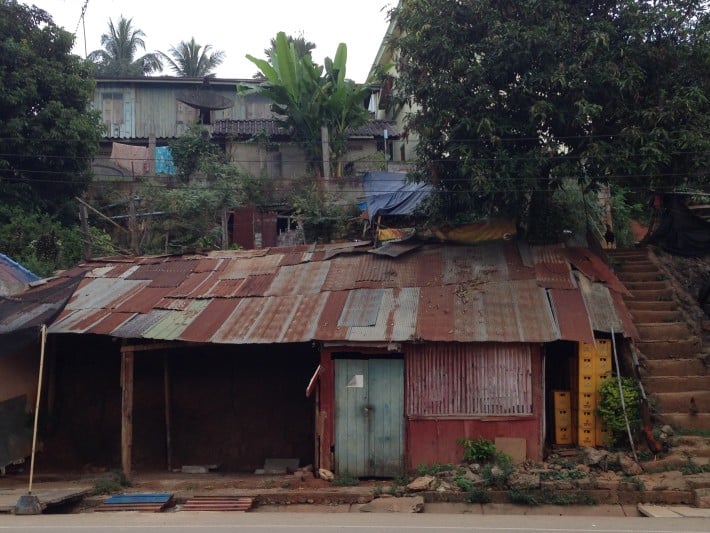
(191, 60)
(120, 46)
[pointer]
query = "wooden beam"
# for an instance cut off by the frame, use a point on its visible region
(127, 359)
(94, 210)
(168, 438)
(158, 346)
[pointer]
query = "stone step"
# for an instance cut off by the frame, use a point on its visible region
(624, 268)
(646, 316)
(651, 295)
(664, 331)
(674, 367)
(679, 402)
(647, 285)
(686, 420)
(677, 349)
(637, 275)
(627, 252)
(661, 305)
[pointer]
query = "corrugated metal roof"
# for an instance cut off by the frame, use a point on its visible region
(247, 128)
(483, 293)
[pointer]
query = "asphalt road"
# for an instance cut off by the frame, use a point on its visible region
(341, 522)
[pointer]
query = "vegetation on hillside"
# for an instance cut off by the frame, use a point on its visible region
(513, 99)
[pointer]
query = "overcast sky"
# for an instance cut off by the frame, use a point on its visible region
(238, 27)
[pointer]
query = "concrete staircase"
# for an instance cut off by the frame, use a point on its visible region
(674, 374)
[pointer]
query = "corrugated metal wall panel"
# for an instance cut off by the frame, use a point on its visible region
(469, 380)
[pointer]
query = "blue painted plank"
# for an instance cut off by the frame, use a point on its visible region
(139, 498)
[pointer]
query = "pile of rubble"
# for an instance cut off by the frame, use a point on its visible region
(592, 476)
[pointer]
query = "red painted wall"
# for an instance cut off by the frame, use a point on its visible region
(434, 440)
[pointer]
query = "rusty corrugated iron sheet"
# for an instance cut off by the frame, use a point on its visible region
(571, 315)
(485, 293)
(38, 305)
(600, 306)
(594, 268)
(498, 380)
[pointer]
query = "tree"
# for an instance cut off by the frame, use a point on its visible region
(47, 136)
(300, 44)
(120, 47)
(305, 99)
(515, 97)
(191, 60)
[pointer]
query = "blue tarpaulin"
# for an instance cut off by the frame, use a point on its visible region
(164, 161)
(389, 193)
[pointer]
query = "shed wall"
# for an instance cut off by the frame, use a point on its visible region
(18, 374)
(433, 439)
(231, 406)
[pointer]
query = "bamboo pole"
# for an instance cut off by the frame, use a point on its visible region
(39, 393)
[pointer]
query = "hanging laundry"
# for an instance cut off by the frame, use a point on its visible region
(135, 159)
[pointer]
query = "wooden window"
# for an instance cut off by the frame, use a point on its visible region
(185, 114)
(112, 108)
(469, 380)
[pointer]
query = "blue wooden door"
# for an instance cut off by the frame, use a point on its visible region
(369, 423)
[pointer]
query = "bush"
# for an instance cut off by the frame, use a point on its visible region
(610, 409)
(478, 450)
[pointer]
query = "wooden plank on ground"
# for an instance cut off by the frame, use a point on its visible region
(218, 503)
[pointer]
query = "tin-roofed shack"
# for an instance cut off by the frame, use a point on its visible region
(402, 353)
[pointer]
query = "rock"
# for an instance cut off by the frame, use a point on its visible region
(421, 483)
(608, 481)
(406, 504)
(299, 476)
(307, 468)
(668, 430)
(521, 480)
(475, 479)
(592, 456)
(446, 487)
(475, 467)
(326, 474)
(702, 498)
(497, 472)
(629, 466)
(584, 468)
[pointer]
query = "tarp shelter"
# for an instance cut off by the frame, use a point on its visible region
(13, 276)
(679, 231)
(389, 193)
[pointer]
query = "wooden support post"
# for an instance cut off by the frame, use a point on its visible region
(325, 143)
(85, 235)
(166, 383)
(126, 411)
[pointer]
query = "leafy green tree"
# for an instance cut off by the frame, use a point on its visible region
(513, 97)
(306, 99)
(120, 47)
(191, 60)
(43, 244)
(47, 136)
